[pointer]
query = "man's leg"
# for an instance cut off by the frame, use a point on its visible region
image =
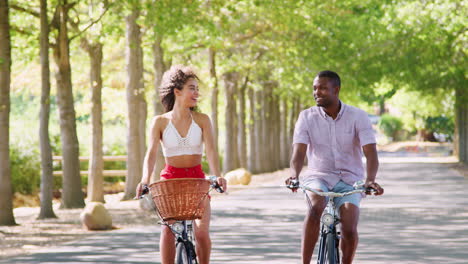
(312, 226)
(349, 214)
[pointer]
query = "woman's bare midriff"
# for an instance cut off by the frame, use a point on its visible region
(184, 161)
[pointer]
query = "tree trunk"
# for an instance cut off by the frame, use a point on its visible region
(461, 126)
(47, 210)
(252, 161)
(260, 141)
(293, 115)
(272, 131)
(284, 134)
(136, 106)
(276, 123)
(230, 161)
(72, 194)
(6, 202)
(268, 131)
(242, 144)
(265, 133)
(159, 69)
(381, 105)
(96, 162)
(214, 95)
(278, 133)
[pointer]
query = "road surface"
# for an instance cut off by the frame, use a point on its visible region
(422, 218)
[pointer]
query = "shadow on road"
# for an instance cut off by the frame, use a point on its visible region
(122, 246)
(422, 218)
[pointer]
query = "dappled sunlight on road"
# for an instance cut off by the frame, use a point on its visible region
(120, 246)
(422, 218)
(259, 233)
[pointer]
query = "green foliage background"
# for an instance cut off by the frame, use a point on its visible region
(410, 55)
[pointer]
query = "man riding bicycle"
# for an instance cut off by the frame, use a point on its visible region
(334, 136)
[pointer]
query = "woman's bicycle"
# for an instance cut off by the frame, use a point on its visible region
(329, 251)
(178, 202)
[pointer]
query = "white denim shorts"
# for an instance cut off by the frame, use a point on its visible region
(318, 184)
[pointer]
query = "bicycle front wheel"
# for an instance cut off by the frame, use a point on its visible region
(332, 249)
(182, 256)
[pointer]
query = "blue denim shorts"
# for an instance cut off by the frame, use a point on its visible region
(341, 186)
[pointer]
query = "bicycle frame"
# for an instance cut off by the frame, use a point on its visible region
(185, 238)
(329, 226)
(183, 232)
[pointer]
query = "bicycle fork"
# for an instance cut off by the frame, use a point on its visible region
(328, 230)
(325, 233)
(186, 238)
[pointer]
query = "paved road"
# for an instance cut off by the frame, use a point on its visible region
(422, 218)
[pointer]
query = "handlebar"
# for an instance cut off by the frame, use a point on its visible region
(214, 184)
(294, 184)
(144, 191)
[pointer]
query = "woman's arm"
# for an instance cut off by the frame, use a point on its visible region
(211, 153)
(150, 157)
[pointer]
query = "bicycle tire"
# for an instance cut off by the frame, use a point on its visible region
(181, 254)
(332, 250)
(322, 254)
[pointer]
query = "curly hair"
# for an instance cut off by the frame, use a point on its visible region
(174, 78)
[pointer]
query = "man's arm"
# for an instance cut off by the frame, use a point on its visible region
(297, 161)
(372, 164)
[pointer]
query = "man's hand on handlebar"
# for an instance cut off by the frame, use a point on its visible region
(292, 183)
(374, 187)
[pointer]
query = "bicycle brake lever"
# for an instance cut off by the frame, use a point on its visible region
(217, 187)
(214, 184)
(144, 191)
(293, 184)
(370, 191)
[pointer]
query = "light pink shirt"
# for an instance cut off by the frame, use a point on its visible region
(334, 147)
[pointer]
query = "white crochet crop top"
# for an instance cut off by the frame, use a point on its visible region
(173, 144)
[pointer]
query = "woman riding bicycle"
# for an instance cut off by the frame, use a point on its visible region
(182, 132)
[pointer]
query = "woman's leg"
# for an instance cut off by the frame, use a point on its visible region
(167, 245)
(202, 235)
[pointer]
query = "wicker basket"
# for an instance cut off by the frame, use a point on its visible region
(180, 199)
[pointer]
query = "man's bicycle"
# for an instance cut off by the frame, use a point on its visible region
(329, 251)
(178, 202)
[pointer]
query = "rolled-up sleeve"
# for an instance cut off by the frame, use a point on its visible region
(301, 131)
(365, 130)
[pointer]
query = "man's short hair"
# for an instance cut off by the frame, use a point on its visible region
(333, 76)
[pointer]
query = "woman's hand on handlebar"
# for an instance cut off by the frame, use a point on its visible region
(222, 183)
(141, 190)
(218, 183)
